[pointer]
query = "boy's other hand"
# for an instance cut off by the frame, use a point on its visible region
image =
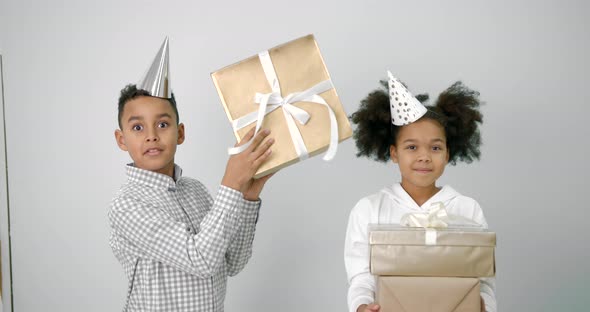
(241, 167)
(368, 308)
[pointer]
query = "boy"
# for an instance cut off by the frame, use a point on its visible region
(175, 242)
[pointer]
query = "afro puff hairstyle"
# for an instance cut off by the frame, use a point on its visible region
(456, 109)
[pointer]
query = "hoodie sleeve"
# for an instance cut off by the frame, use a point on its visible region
(488, 285)
(356, 257)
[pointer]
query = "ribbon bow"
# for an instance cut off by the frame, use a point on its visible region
(270, 101)
(436, 217)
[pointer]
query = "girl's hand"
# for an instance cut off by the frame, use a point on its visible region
(368, 308)
(483, 304)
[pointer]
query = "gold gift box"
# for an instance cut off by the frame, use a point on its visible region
(298, 65)
(404, 251)
(427, 294)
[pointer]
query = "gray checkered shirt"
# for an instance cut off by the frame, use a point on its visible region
(176, 244)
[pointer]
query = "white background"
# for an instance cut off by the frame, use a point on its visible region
(4, 238)
(65, 62)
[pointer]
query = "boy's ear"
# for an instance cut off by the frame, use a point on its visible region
(180, 134)
(393, 153)
(120, 140)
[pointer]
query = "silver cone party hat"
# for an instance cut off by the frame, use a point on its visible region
(157, 78)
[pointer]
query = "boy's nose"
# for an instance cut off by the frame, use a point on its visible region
(152, 136)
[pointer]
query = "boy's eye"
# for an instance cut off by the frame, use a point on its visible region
(411, 147)
(137, 128)
(163, 124)
(436, 148)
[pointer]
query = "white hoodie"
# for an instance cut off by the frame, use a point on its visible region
(388, 206)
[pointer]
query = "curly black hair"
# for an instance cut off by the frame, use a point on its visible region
(456, 109)
(130, 91)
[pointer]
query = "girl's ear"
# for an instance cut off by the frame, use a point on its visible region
(120, 140)
(393, 153)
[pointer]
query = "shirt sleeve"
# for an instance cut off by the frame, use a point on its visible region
(361, 288)
(151, 233)
(240, 249)
(487, 285)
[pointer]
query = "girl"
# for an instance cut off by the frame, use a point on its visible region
(393, 124)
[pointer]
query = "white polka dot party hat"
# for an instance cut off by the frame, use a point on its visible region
(405, 108)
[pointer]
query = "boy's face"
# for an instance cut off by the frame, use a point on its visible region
(421, 153)
(150, 134)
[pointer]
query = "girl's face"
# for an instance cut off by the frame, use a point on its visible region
(421, 153)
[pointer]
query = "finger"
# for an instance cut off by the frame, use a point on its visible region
(264, 179)
(259, 137)
(247, 137)
(262, 148)
(260, 160)
(374, 307)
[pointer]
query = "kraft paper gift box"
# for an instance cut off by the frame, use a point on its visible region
(451, 252)
(292, 77)
(428, 294)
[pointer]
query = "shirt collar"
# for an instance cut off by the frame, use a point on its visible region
(153, 179)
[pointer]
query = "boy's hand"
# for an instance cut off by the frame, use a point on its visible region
(241, 167)
(483, 304)
(368, 308)
(255, 187)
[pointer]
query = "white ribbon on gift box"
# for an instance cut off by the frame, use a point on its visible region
(436, 217)
(270, 101)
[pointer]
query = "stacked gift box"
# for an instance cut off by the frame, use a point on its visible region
(430, 269)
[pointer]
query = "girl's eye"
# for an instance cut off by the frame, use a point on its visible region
(163, 124)
(137, 128)
(436, 148)
(411, 147)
